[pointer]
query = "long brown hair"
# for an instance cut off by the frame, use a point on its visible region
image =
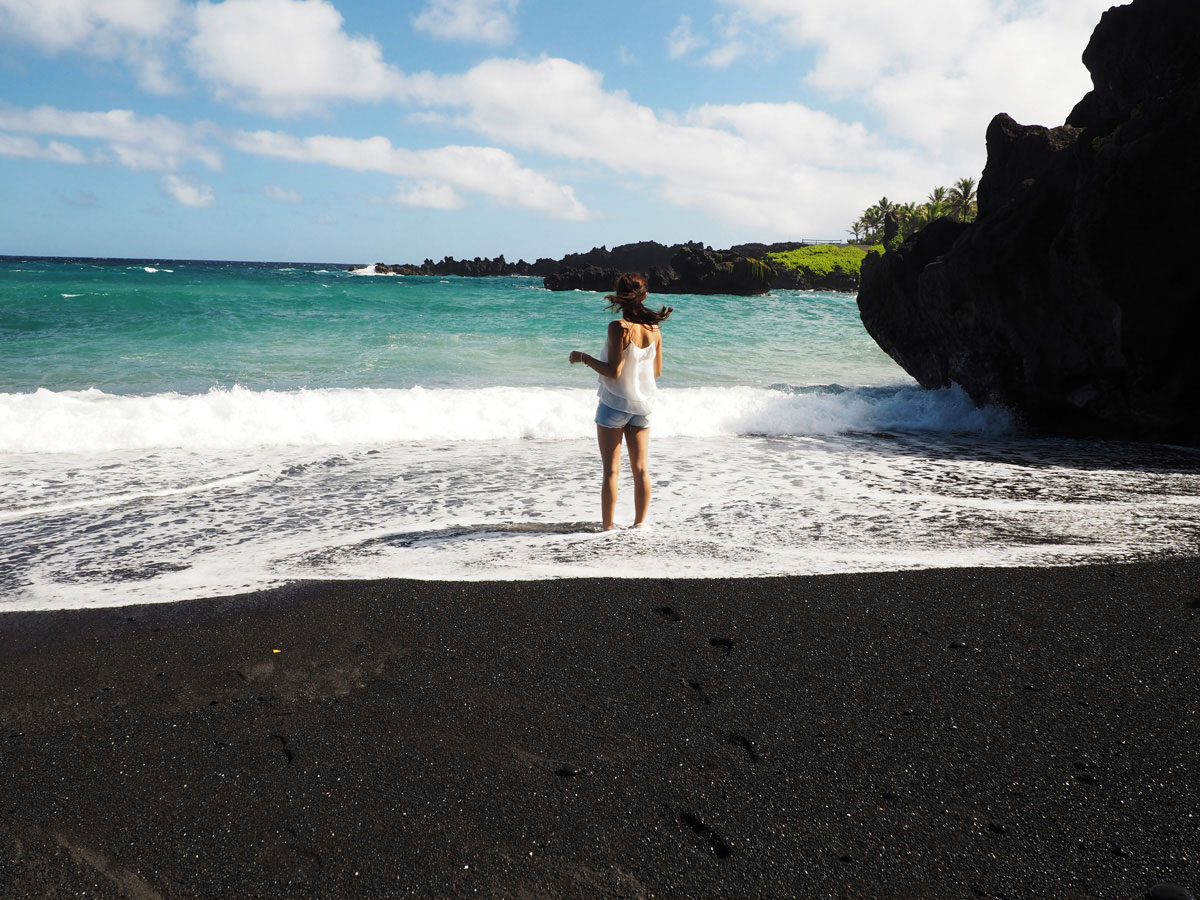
(629, 296)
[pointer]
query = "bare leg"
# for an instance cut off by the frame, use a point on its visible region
(639, 462)
(610, 460)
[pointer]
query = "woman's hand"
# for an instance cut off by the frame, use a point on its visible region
(575, 357)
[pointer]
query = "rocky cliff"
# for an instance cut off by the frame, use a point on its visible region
(638, 257)
(1068, 297)
(689, 268)
(693, 269)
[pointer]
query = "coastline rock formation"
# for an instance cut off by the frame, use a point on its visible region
(639, 257)
(466, 268)
(693, 270)
(1062, 299)
(689, 268)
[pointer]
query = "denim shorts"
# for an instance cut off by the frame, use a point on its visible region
(615, 418)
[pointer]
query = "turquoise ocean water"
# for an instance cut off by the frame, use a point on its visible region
(180, 429)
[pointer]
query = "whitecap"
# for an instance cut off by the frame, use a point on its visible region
(59, 422)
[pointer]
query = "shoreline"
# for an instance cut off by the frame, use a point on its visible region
(953, 732)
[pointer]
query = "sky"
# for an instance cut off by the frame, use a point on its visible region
(360, 131)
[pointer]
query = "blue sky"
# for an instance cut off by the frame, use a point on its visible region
(361, 130)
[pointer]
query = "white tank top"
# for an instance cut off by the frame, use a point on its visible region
(634, 391)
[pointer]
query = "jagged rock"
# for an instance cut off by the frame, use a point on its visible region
(1066, 298)
(693, 270)
(701, 270)
(639, 257)
(806, 280)
(582, 278)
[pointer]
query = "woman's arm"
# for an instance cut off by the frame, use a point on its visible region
(658, 356)
(616, 335)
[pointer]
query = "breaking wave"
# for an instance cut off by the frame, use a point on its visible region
(70, 421)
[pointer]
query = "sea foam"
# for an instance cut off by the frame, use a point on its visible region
(71, 421)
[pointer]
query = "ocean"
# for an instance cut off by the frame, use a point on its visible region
(178, 429)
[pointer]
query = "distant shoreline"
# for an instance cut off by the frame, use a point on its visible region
(690, 268)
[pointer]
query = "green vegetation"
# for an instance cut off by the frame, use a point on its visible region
(753, 269)
(822, 259)
(957, 203)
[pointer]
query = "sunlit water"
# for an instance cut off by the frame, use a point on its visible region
(175, 430)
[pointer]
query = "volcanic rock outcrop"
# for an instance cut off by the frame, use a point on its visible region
(693, 270)
(1070, 297)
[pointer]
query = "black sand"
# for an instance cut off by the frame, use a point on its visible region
(967, 733)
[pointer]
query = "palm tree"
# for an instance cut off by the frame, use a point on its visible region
(887, 217)
(935, 206)
(963, 200)
(872, 222)
(908, 217)
(856, 229)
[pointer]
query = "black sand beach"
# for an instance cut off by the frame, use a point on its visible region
(961, 733)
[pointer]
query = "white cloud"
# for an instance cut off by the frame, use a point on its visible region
(188, 192)
(283, 195)
(779, 167)
(283, 57)
(56, 25)
(22, 147)
(732, 47)
(493, 173)
(484, 21)
(939, 71)
(428, 194)
(130, 30)
(141, 143)
(726, 55)
(682, 40)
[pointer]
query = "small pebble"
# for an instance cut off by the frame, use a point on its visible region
(957, 645)
(567, 771)
(997, 827)
(846, 857)
(1086, 778)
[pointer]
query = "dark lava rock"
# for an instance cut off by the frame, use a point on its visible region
(693, 270)
(582, 278)
(466, 268)
(805, 280)
(1165, 891)
(1068, 298)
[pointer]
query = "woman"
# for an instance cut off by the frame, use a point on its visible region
(628, 365)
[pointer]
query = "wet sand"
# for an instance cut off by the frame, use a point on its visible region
(958, 733)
